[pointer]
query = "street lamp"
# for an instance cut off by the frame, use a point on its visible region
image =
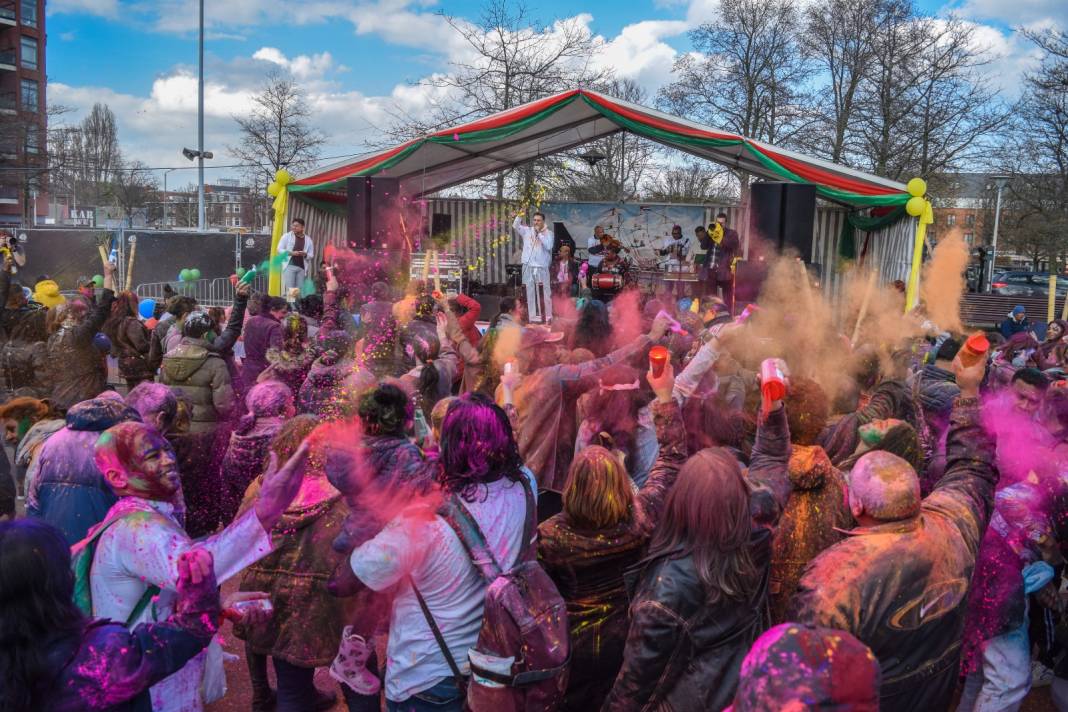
(200, 155)
(1000, 182)
(165, 196)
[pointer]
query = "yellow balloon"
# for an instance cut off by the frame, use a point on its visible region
(283, 177)
(915, 206)
(917, 187)
(274, 189)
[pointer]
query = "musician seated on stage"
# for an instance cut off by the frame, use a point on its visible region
(614, 260)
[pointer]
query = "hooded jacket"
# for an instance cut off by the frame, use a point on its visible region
(909, 599)
(202, 375)
(321, 392)
(813, 519)
(305, 629)
(681, 653)
(262, 333)
(68, 491)
(244, 461)
(76, 368)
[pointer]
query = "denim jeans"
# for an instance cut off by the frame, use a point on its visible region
(296, 686)
(1005, 678)
(442, 697)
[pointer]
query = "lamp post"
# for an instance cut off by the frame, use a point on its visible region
(165, 196)
(1000, 182)
(200, 124)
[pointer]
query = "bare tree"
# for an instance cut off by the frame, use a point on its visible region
(693, 182)
(841, 43)
(625, 161)
(1037, 196)
(511, 61)
(748, 74)
(133, 189)
(84, 157)
(275, 133)
(927, 106)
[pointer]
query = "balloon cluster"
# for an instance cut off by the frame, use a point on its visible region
(917, 188)
(281, 179)
(189, 275)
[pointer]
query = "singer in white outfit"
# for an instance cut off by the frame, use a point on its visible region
(537, 254)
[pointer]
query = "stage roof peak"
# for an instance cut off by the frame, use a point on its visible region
(569, 119)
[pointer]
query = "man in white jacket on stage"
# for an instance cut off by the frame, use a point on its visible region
(537, 255)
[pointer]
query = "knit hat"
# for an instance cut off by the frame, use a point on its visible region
(795, 666)
(1018, 309)
(46, 293)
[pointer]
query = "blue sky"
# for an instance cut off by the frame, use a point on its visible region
(358, 59)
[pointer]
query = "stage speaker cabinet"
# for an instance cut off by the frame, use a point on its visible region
(372, 213)
(783, 215)
(749, 276)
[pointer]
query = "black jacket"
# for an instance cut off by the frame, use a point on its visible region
(682, 654)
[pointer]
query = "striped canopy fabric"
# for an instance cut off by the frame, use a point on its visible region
(564, 121)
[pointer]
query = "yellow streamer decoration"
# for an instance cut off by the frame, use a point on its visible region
(281, 202)
(913, 291)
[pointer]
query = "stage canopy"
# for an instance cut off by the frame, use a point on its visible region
(567, 120)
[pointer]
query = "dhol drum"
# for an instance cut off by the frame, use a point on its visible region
(607, 281)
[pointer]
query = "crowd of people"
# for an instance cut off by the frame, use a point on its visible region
(635, 508)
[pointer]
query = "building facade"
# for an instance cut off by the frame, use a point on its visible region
(23, 112)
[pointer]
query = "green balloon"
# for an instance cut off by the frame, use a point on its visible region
(184, 275)
(98, 280)
(240, 272)
(194, 274)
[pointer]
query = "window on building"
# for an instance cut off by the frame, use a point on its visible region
(969, 220)
(969, 238)
(29, 53)
(951, 220)
(29, 95)
(29, 13)
(33, 140)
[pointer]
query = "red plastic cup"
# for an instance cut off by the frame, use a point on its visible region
(658, 359)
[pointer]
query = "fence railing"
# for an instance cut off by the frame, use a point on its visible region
(218, 292)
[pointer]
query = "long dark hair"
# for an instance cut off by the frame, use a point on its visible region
(385, 411)
(124, 307)
(706, 516)
(477, 447)
(593, 330)
(36, 608)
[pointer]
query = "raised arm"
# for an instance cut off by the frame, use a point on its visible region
(474, 310)
(966, 490)
(226, 340)
(671, 435)
(570, 374)
(768, 467)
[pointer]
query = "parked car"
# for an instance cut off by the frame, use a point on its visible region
(1025, 284)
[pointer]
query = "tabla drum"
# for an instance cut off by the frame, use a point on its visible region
(607, 282)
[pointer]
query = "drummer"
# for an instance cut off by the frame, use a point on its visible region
(613, 259)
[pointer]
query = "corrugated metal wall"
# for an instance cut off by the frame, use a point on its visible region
(485, 241)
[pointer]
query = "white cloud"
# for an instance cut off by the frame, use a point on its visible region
(102, 8)
(639, 52)
(1017, 12)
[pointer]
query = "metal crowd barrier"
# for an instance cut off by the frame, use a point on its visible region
(218, 292)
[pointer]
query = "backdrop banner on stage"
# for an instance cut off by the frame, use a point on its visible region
(639, 226)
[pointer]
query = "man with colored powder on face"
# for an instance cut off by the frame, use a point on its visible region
(138, 544)
(1028, 387)
(899, 581)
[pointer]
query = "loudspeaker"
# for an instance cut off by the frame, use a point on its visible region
(441, 226)
(783, 215)
(372, 213)
(749, 276)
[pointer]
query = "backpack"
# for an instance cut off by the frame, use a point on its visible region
(520, 662)
(81, 562)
